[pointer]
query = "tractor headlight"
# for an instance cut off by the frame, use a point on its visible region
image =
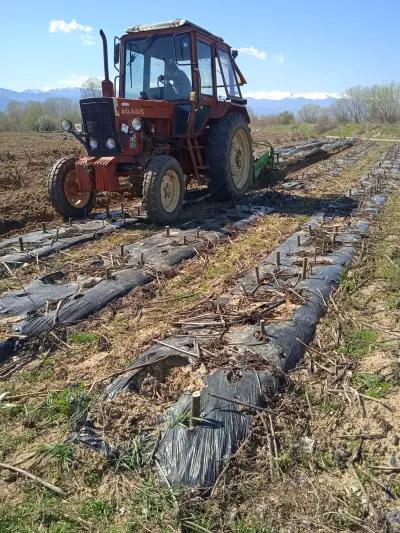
(110, 143)
(137, 124)
(93, 143)
(66, 125)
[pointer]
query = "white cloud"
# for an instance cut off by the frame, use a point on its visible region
(84, 30)
(280, 95)
(254, 52)
(67, 27)
(280, 59)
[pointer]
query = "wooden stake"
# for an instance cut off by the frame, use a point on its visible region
(167, 231)
(44, 227)
(304, 272)
(262, 328)
(298, 240)
(278, 258)
(108, 273)
(122, 250)
(257, 275)
(195, 409)
(21, 243)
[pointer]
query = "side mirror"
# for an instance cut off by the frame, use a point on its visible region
(235, 53)
(182, 48)
(116, 52)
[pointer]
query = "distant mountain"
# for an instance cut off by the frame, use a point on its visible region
(257, 106)
(273, 107)
(6, 95)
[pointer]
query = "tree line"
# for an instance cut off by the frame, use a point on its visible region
(39, 116)
(376, 104)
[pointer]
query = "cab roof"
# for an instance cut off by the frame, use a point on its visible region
(177, 23)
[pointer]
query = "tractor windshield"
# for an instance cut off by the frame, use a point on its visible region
(152, 70)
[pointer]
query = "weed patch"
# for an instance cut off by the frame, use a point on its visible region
(359, 342)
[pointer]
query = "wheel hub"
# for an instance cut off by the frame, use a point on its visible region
(170, 191)
(240, 158)
(74, 196)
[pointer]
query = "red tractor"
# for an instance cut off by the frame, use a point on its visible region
(176, 113)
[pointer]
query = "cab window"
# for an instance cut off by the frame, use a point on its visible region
(228, 75)
(204, 58)
(154, 69)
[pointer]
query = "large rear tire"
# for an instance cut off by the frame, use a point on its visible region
(64, 193)
(163, 189)
(229, 156)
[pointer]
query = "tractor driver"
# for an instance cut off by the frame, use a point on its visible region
(178, 81)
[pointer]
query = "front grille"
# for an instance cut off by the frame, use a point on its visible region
(99, 123)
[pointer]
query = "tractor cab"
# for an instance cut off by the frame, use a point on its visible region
(174, 112)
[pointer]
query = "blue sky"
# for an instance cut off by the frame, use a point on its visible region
(286, 47)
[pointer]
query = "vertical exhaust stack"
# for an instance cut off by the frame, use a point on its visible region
(107, 86)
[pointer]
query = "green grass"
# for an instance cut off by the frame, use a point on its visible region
(330, 405)
(38, 512)
(84, 337)
(364, 129)
(68, 405)
(345, 282)
(358, 342)
(60, 454)
(132, 458)
(371, 384)
(39, 373)
(98, 509)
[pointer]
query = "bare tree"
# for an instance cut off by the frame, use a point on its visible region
(340, 111)
(91, 88)
(310, 113)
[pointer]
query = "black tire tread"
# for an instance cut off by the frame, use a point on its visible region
(156, 168)
(217, 151)
(55, 190)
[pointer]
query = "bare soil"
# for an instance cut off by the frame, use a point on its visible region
(25, 161)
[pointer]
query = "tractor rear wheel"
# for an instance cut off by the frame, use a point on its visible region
(64, 192)
(163, 189)
(229, 156)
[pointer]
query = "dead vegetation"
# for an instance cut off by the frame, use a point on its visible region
(308, 464)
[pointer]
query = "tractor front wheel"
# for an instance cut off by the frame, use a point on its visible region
(229, 156)
(163, 189)
(64, 191)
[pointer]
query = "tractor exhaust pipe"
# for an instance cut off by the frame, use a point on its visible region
(107, 86)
